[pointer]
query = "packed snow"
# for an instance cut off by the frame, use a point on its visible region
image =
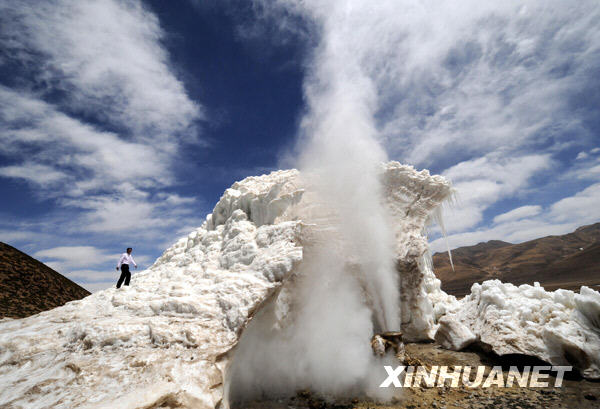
(560, 327)
(160, 339)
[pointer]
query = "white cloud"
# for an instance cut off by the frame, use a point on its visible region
(98, 117)
(93, 276)
(487, 91)
(74, 257)
(110, 214)
(68, 148)
(583, 206)
(95, 287)
(107, 61)
(489, 79)
(531, 222)
(483, 181)
(582, 155)
(89, 169)
(464, 78)
(33, 172)
(15, 234)
(518, 214)
(134, 211)
(174, 199)
(108, 56)
(591, 172)
(515, 231)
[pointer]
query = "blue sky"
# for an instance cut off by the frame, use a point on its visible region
(122, 122)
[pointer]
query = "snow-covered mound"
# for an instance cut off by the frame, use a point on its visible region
(158, 340)
(171, 338)
(166, 341)
(560, 327)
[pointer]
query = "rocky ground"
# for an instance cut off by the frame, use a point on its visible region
(574, 393)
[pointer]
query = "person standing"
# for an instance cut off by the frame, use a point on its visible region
(124, 262)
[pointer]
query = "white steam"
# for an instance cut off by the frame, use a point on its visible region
(347, 289)
(343, 160)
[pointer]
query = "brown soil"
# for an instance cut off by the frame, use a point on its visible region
(28, 286)
(574, 393)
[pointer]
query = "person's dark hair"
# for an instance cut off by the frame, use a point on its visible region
(129, 248)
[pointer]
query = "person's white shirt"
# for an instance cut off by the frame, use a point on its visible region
(126, 259)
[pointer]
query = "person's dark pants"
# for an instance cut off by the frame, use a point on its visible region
(125, 275)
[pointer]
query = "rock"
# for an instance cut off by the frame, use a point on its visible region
(378, 345)
(453, 335)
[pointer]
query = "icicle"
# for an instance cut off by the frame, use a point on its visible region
(437, 215)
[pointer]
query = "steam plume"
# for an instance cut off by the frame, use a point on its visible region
(347, 287)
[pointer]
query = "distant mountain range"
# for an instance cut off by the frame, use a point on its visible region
(28, 286)
(568, 261)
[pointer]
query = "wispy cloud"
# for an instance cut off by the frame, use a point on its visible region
(108, 58)
(93, 117)
(15, 234)
(518, 214)
(582, 206)
(485, 180)
(533, 221)
(72, 257)
(499, 97)
(36, 173)
(55, 147)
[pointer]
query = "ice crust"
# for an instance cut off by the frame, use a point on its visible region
(168, 338)
(560, 327)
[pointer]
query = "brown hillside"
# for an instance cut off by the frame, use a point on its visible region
(568, 261)
(28, 286)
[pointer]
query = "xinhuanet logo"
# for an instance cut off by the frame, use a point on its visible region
(472, 377)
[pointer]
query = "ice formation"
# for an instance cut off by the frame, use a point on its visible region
(170, 339)
(560, 327)
(191, 330)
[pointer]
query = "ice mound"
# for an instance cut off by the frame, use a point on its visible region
(560, 327)
(414, 199)
(166, 341)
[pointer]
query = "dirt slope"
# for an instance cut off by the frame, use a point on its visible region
(566, 261)
(28, 286)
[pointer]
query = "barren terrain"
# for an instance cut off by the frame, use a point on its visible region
(568, 261)
(28, 286)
